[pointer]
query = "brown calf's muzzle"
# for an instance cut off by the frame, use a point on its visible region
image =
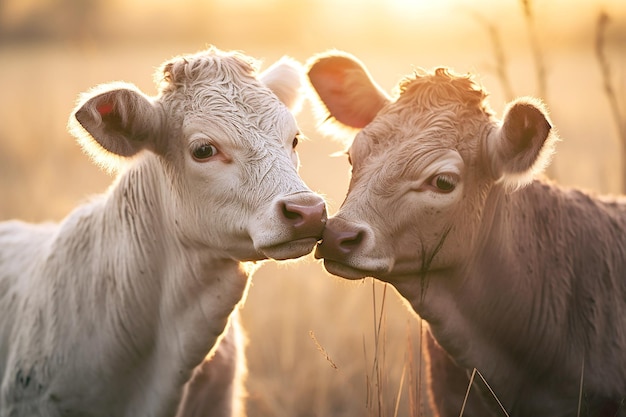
(340, 241)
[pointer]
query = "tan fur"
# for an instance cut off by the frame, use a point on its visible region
(517, 277)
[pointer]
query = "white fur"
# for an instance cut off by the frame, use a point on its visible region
(123, 309)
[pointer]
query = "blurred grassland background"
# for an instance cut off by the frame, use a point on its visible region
(318, 345)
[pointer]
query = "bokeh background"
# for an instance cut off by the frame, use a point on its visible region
(318, 345)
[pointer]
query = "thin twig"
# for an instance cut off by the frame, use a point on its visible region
(492, 393)
(415, 386)
(419, 368)
(395, 411)
(469, 387)
(605, 68)
(380, 364)
(382, 309)
(377, 323)
(499, 55)
(498, 51)
(535, 45)
(580, 392)
(375, 363)
(368, 384)
(540, 67)
(321, 349)
(379, 350)
(609, 90)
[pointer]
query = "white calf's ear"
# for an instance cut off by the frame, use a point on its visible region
(523, 145)
(345, 88)
(115, 120)
(284, 78)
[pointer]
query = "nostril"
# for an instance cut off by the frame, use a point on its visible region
(339, 244)
(291, 212)
(351, 241)
(305, 216)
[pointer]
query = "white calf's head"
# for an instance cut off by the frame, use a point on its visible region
(223, 139)
(422, 166)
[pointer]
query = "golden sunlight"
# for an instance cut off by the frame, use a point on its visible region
(413, 7)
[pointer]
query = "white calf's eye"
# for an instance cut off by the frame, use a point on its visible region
(295, 142)
(204, 152)
(444, 183)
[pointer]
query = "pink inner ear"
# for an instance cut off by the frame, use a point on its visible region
(104, 108)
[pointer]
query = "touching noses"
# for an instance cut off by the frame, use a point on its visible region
(306, 215)
(340, 241)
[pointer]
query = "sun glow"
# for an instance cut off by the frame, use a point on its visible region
(415, 7)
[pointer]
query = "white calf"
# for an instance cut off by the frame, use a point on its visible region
(121, 309)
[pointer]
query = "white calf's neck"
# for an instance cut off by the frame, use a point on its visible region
(152, 300)
(195, 290)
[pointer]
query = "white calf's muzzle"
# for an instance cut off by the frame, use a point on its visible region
(292, 227)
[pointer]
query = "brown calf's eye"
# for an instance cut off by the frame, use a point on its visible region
(445, 183)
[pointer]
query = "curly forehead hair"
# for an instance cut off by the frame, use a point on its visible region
(428, 89)
(444, 109)
(222, 67)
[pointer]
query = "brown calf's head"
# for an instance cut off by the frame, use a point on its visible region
(422, 165)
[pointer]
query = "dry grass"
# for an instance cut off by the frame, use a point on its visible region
(473, 375)
(319, 346)
(616, 101)
(43, 175)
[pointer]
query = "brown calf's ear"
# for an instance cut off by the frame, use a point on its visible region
(115, 119)
(524, 143)
(346, 88)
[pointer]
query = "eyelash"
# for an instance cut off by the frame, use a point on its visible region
(443, 183)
